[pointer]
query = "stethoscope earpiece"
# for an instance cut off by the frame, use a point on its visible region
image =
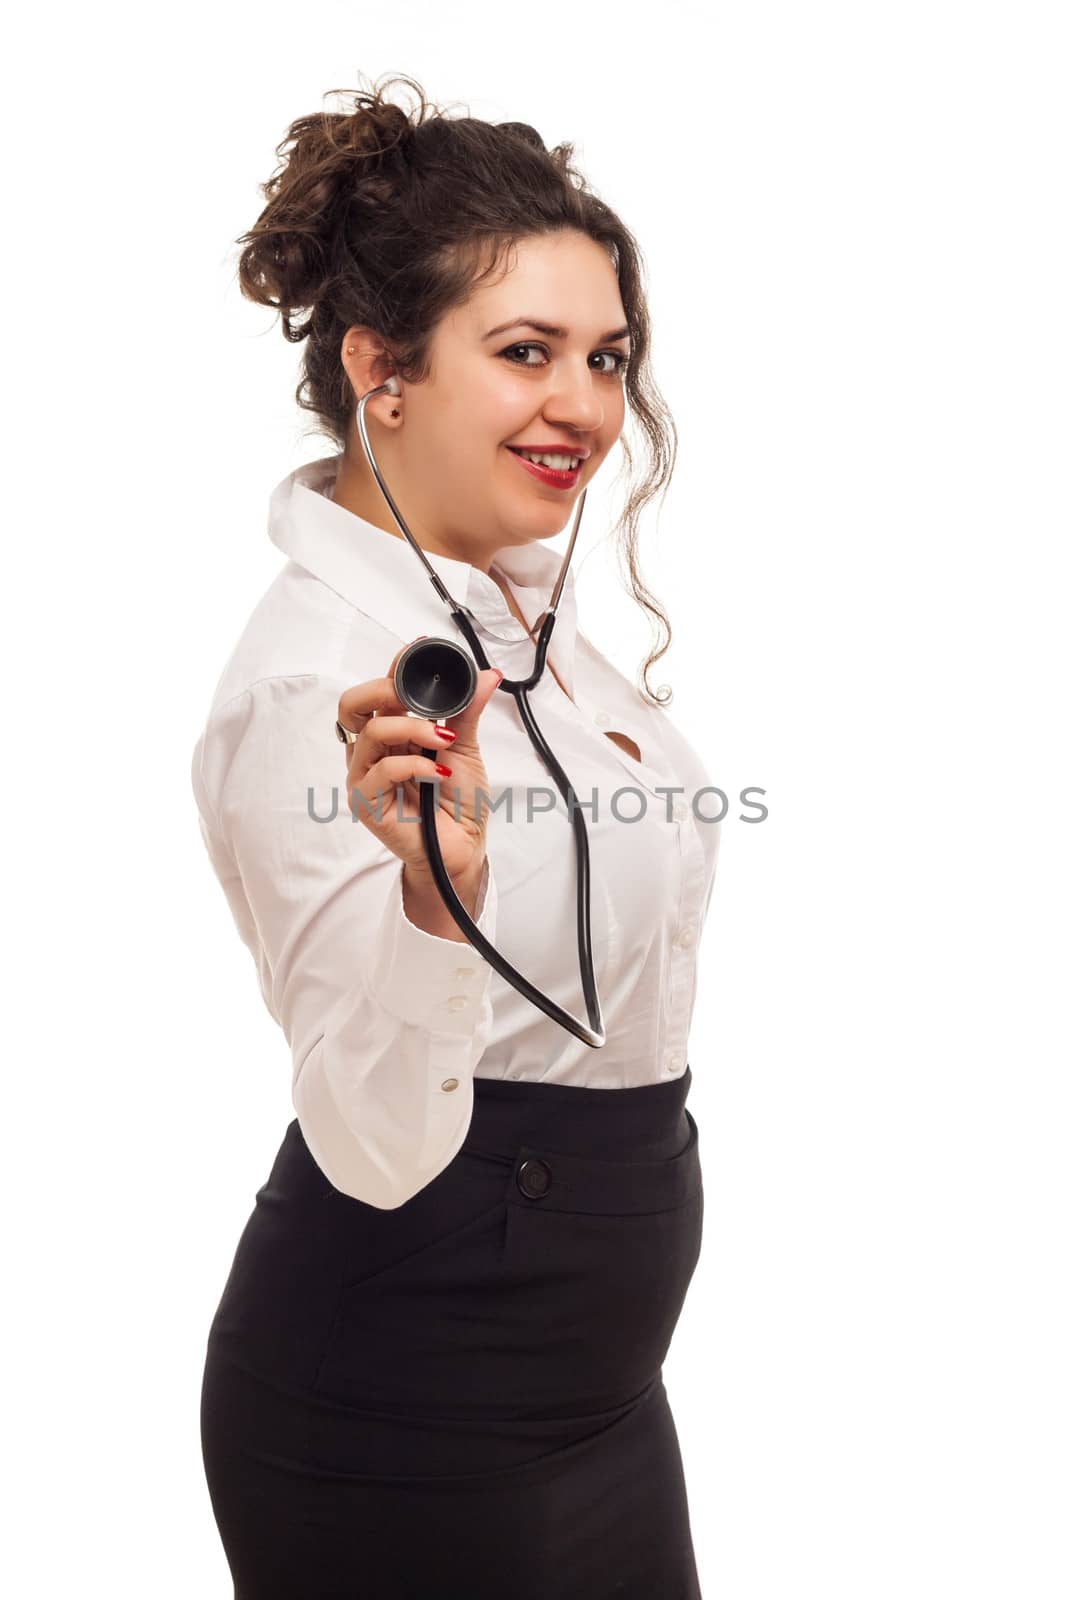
(435, 678)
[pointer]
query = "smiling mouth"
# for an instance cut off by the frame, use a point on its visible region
(553, 477)
(557, 460)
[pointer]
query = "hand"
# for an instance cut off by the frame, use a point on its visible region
(385, 759)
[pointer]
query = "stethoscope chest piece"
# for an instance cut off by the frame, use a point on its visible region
(435, 678)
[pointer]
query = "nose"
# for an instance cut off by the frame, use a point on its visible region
(573, 401)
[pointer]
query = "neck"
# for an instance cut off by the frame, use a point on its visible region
(356, 488)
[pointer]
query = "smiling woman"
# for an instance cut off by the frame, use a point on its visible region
(431, 206)
(436, 1366)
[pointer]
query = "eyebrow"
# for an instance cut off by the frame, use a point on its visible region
(549, 331)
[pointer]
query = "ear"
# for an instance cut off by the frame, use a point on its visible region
(367, 364)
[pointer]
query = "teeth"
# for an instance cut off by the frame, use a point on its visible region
(558, 463)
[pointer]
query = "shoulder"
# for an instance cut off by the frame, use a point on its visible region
(302, 632)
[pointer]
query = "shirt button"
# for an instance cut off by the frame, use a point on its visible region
(686, 937)
(602, 719)
(450, 1084)
(681, 811)
(463, 972)
(456, 1002)
(674, 1061)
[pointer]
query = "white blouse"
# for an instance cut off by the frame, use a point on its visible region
(388, 1025)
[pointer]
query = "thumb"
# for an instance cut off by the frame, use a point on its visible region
(466, 723)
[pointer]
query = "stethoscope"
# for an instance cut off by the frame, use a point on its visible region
(436, 678)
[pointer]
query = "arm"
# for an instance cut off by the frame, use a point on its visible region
(386, 1021)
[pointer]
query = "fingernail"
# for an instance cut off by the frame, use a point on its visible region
(446, 772)
(419, 636)
(499, 674)
(444, 733)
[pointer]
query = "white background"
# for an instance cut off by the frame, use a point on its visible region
(853, 220)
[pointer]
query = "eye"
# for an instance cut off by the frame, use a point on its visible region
(509, 353)
(622, 361)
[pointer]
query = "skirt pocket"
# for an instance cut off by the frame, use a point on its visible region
(603, 1293)
(546, 1284)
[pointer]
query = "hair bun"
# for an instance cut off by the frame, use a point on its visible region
(373, 127)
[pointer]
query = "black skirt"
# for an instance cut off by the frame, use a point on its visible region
(464, 1396)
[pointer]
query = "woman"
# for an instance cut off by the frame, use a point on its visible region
(436, 1364)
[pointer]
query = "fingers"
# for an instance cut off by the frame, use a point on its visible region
(385, 760)
(378, 786)
(393, 770)
(386, 735)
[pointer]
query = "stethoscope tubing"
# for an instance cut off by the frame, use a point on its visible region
(519, 688)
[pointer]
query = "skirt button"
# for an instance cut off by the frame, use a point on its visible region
(534, 1179)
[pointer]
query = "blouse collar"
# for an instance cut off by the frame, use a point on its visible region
(379, 573)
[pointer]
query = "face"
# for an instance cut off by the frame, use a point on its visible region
(450, 459)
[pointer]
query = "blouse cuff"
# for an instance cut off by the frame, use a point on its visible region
(433, 983)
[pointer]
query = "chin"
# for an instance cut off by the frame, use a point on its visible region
(533, 528)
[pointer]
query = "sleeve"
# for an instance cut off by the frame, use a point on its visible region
(386, 1023)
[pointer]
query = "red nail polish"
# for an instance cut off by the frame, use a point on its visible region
(446, 772)
(444, 733)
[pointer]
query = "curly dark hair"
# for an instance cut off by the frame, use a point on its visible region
(381, 217)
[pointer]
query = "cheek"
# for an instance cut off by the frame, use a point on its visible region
(504, 408)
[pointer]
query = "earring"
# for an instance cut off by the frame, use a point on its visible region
(394, 412)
